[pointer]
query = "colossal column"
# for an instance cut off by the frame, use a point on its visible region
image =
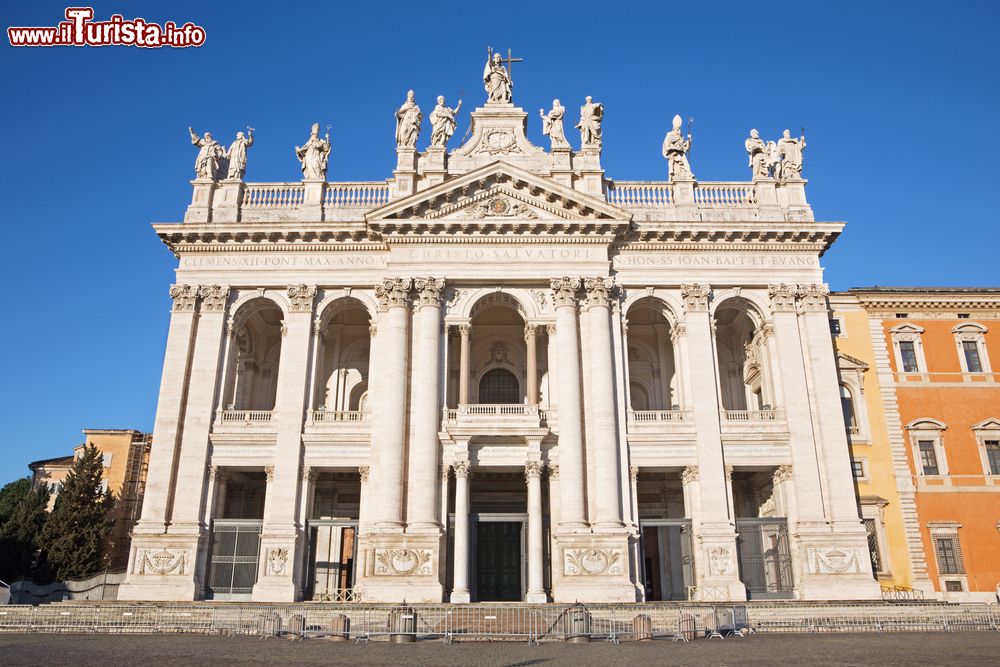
(282, 537)
(712, 524)
(389, 406)
(572, 510)
(421, 508)
(608, 507)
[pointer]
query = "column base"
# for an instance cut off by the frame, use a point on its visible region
(164, 568)
(833, 563)
(716, 564)
(460, 597)
(397, 567)
(276, 573)
(536, 598)
(592, 568)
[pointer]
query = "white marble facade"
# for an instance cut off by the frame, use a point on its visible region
(499, 375)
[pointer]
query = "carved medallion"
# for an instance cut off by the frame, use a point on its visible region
(836, 560)
(277, 560)
(593, 562)
(402, 562)
(151, 561)
(500, 141)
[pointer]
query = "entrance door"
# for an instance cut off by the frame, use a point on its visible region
(765, 558)
(498, 561)
(232, 568)
(667, 560)
(333, 547)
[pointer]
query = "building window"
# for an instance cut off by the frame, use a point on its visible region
(107, 460)
(499, 386)
(909, 356)
(871, 528)
(971, 344)
(858, 468)
(847, 405)
(954, 586)
(948, 552)
(835, 327)
(972, 362)
(993, 456)
(928, 457)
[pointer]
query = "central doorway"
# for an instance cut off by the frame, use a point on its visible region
(498, 561)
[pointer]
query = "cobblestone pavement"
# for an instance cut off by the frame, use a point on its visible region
(882, 650)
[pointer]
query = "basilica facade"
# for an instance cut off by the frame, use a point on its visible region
(499, 375)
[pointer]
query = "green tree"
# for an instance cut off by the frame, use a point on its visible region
(19, 550)
(11, 496)
(74, 536)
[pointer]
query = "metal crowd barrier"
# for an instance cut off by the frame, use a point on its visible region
(514, 622)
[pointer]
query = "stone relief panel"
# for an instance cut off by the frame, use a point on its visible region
(277, 562)
(835, 560)
(160, 561)
(403, 562)
(593, 562)
(720, 561)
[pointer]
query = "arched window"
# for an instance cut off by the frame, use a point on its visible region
(847, 404)
(640, 399)
(499, 386)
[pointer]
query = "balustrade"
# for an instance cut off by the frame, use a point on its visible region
(249, 417)
(273, 195)
(648, 416)
(725, 195)
(640, 194)
(356, 195)
(750, 415)
(329, 416)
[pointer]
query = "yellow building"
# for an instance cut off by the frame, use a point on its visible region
(126, 458)
(884, 490)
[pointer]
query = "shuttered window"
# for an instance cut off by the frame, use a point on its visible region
(949, 555)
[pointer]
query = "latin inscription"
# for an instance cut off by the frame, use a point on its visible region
(284, 261)
(712, 260)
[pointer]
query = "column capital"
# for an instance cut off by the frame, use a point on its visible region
(550, 329)
(301, 297)
(218, 473)
(782, 297)
(598, 291)
(363, 473)
(533, 470)
(781, 474)
(677, 332)
(393, 293)
(185, 297)
(429, 291)
(564, 291)
(553, 472)
(213, 297)
(530, 330)
(269, 472)
(729, 473)
(812, 298)
(308, 474)
(445, 470)
(633, 473)
(695, 297)
(464, 329)
(461, 469)
(689, 474)
(766, 330)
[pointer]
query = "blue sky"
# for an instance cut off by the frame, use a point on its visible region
(899, 102)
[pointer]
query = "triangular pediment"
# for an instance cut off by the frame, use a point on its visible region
(847, 362)
(496, 194)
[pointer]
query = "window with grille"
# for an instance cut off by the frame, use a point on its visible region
(873, 550)
(972, 361)
(499, 386)
(993, 456)
(928, 457)
(953, 586)
(858, 469)
(835, 327)
(908, 354)
(949, 555)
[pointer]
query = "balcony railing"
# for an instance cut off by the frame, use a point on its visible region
(498, 409)
(750, 415)
(331, 416)
(854, 431)
(362, 194)
(248, 417)
(659, 194)
(652, 416)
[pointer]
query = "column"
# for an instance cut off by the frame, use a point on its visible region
(607, 504)
(460, 567)
(572, 512)
(169, 410)
(536, 558)
(530, 338)
(317, 359)
(363, 504)
(678, 397)
(463, 364)
(422, 487)
(222, 394)
(283, 536)
(713, 526)
(389, 405)
(443, 516)
(552, 363)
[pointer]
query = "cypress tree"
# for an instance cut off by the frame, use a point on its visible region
(11, 496)
(74, 536)
(19, 549)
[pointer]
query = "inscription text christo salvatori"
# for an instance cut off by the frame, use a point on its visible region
(716, 260)
(283, 261)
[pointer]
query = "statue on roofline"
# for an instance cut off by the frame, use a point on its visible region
(408, 119)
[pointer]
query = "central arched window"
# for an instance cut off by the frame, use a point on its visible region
(499, 386)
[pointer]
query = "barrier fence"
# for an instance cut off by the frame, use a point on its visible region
(480, 622)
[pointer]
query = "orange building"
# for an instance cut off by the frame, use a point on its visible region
(935, 347)
(126, 458)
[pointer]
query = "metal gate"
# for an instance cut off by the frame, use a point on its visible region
(765, 558)
(235, 554)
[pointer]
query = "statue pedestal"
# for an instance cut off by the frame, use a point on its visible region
(200, 209)
(432, 167)
(588, 163)
(791, 195)
(227, 200)
(682, 195)
(562, 166)
(312, 199)
(405, 175)
(767, 200)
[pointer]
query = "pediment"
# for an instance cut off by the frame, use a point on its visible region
(991, 424)
(847, 362)
(499, 193)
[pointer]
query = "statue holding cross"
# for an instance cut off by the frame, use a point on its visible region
(496, 78)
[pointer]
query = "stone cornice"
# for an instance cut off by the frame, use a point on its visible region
(931, 304)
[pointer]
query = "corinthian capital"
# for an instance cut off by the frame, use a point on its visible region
(213, 297)
(598, 291)
(782, 298)
(302, 297)
(461, 468)
(429, 291)
(689, 474)
(695, 297)
(564, 291)
(184, 296)
(533, 470)
(393, 292)
(813, 297)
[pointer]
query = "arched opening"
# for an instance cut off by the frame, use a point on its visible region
(653, 378)
(847, 405)
(499, 386)
(343, 358)
(252, 378)
(742, 354)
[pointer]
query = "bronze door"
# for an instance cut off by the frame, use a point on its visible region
(498, 561)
